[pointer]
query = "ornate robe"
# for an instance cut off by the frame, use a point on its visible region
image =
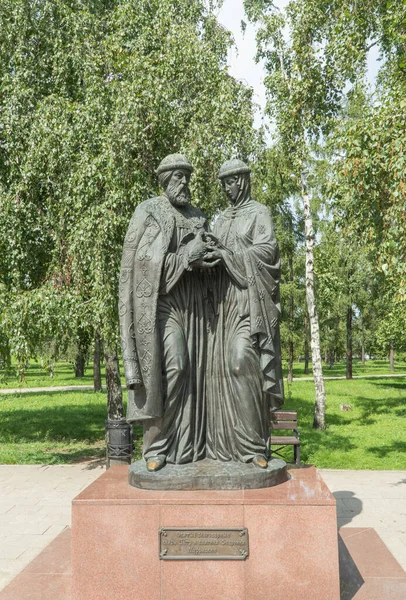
(244, 378)
(163, 328)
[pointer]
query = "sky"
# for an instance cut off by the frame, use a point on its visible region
(241, 60)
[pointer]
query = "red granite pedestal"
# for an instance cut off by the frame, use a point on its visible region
(293, 551)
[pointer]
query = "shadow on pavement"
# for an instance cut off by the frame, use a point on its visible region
(350, 578)
(348, 506)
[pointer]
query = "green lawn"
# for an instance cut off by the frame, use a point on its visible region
(53, 427)
(67, 427)
(371, 367)
(35, 376)
(372, 435)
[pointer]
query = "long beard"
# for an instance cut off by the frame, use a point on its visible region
(244, 191)
(178, 194)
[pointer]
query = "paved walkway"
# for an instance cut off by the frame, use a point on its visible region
(372, 499)
(56, 388)
(35, 506)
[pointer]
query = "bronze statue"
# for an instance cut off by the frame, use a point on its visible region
(244, 374)
(199, 317)
(163, 319)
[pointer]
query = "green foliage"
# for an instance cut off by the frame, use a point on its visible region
(303, 88)
(346, 280)
(368, 138)
(274, 186)
(391, 325)
(315, 54)
(93, 94)
(369, 184)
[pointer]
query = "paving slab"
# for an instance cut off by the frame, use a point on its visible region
(35, 507)
(374, 499)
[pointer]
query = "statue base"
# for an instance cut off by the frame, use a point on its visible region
(208, 475)
(292, 542)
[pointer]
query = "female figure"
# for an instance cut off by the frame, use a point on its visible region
(244, 377)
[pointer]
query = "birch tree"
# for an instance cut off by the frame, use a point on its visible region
(302, 97)
(320, 404)
(93, 94)
(368, 183)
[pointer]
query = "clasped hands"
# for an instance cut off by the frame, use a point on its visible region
(203, 252)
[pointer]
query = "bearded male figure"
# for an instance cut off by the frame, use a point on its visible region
(162, 305)
(244, 375)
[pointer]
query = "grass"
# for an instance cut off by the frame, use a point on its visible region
(372, 435)
(68, 427)
(371, 367)
(35, 376)
(53, 427)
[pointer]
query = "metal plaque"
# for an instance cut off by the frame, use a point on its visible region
(203, 543)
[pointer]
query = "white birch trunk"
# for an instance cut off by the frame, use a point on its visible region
(320, 405)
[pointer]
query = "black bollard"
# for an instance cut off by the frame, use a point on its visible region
(119, 443)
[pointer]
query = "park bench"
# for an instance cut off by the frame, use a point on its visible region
(285, 420)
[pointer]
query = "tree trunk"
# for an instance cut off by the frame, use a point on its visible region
(97, 382)
(21, 368)
(115, 409)
(80, 365)
(290, 362)
(348, 374)
(331, 358)
(306, 346)
(363, 353)
(5, 358)
(320, 404)
(392, 357)
(325, 355)
(82, 348)
(291, 323)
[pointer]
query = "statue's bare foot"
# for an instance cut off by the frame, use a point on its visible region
(154, 463)
(260, 461)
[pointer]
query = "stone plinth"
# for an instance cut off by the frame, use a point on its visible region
(209, 475)
(292, 542)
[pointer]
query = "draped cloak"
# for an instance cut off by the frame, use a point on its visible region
(150, 269)
(244, 370)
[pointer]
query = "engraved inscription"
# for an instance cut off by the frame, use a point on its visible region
(203, 543)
